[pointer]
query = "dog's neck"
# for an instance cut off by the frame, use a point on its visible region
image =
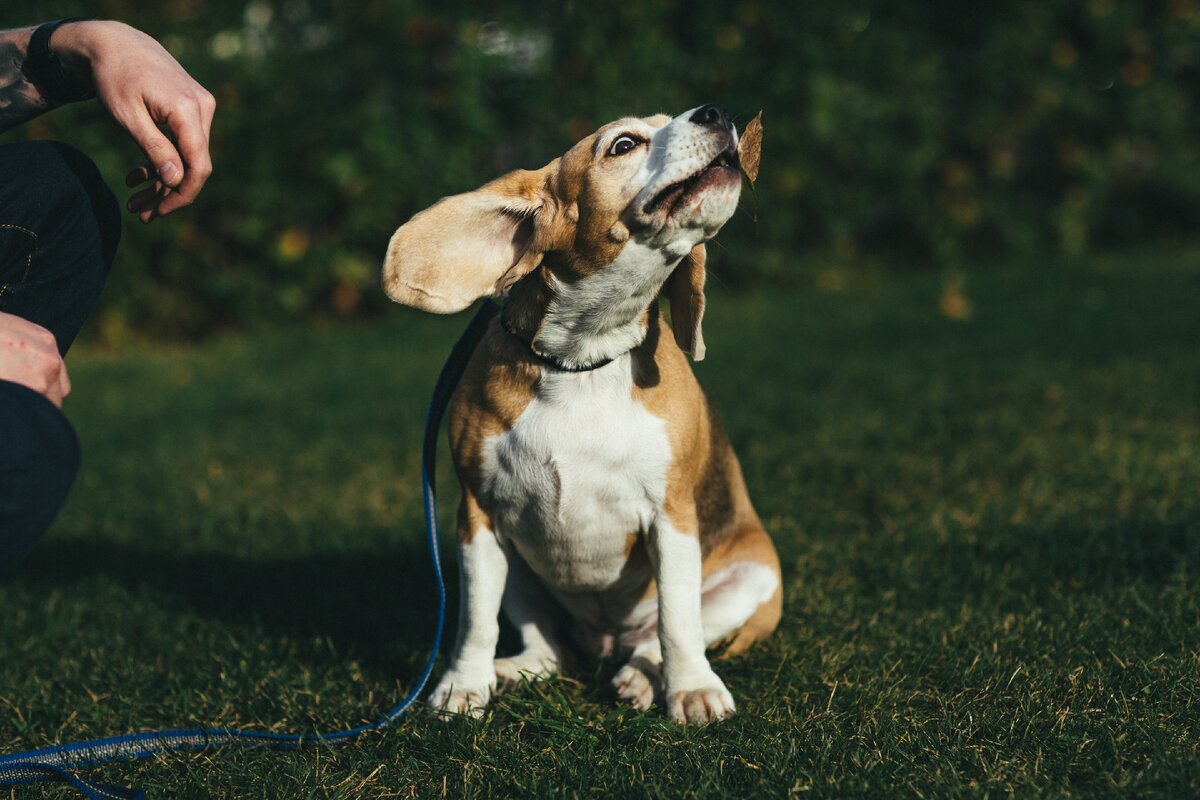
(592, 319)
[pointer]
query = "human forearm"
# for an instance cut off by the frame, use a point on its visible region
(59, 72)
(20, 99)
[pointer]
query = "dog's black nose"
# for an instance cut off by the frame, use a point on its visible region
(711, 115)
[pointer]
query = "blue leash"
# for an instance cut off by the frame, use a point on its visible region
(54, 764)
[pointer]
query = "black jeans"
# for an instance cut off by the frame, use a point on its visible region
(59, 227)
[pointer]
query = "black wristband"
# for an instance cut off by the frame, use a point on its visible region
(44, 69)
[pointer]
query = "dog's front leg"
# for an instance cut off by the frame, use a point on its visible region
(468, 684)
(693, 691)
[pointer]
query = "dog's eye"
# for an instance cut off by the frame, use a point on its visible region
(623, 144)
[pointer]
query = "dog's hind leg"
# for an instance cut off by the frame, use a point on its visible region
(742, 597)
(533, 612)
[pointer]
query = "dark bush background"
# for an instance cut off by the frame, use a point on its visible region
(925, 134)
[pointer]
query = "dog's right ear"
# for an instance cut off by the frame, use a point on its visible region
(685, 291)
(470, 245)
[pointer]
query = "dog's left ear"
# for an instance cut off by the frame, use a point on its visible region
(685, 291)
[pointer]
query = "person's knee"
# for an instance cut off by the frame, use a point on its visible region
(54, 194)
(64, 184)
(38, 465)
(103, 204)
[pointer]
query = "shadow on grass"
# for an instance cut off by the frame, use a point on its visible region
(374, 606)
(378, 608)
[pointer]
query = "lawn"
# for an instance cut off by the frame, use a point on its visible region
(989, 528)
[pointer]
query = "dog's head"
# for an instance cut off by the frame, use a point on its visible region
(619, 215)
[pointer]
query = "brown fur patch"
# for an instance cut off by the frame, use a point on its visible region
(471, 517)
(714, 494)
(497, 385)
(525, 307)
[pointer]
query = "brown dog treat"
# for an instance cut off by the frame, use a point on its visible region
(750, 148)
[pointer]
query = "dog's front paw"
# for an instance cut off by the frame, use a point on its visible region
(638, 682)
(527, 666)
(457, 694)
(700, 705)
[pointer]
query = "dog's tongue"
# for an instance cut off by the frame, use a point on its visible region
(750, 148)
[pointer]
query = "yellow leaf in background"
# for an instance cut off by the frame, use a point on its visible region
(953, 303)
(346, 297)
(1063, 53)
(292, 244)
(832, 279)
(1135, 72)
(728, 38)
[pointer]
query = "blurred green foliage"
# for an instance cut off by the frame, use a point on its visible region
(930, 132)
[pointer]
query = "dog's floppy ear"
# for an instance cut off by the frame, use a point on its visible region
(685, 291)
(467, 246)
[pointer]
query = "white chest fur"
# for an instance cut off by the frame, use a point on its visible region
(584, 467)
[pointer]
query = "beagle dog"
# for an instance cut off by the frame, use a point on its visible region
(602, 504)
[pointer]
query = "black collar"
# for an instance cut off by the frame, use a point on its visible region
(548, 360)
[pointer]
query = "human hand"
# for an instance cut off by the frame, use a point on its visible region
(142, 86)
(29, 356)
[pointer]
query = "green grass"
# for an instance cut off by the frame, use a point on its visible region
(990, 532)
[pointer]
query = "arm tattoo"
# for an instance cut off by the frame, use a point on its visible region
(20, 100)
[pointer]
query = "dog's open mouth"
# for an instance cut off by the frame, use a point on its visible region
(670, 197)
